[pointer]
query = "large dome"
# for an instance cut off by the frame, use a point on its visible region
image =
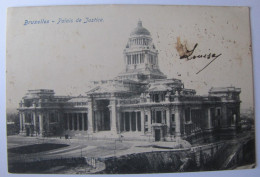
(140, 30)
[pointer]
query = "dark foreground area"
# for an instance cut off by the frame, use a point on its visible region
(106, 157)
(35, 148)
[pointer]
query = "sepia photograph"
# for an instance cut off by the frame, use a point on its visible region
(129, 89)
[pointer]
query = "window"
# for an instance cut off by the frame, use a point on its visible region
(52, 117)
(78, 103)
(156, 98)
(28, 103)
(158, 117)
(218, 112)
(173, 117)
(146, 118)
(163, 97)
(187, 115)
(28, 118)
(234, 119)
(172, 130)
(212, 111)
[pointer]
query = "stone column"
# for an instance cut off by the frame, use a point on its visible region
(102, 117)
(58, 114)
(162, 117)
(148, 98)
(21, 122)
(149, 120)
(82, 122)
(23, 115)
(142, 120)
(146, 58)
(130, 121)
(47, 119)
(72, 118)
(234, 120)
(77, 121)
(41, 131)
(168, 120)
(96, 120)
(125, 58)
(34, 123)
(68, 121)
(224, 120)
(90, 116)
(177, 122)
(113, 114)
(118, 122)
(136, 120)
(209, 119)
(124, 120)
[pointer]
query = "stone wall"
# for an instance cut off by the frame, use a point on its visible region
(214, 156)
(151, 162)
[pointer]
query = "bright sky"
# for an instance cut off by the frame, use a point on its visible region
(65, 57)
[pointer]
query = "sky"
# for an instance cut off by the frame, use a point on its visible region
(67, 56)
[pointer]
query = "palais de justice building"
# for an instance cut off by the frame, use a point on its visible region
(140, 103)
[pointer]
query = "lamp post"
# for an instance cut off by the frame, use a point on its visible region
(115, 148)
(81, 151)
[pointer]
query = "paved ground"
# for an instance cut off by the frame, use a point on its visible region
(84, 148)
(88, 148)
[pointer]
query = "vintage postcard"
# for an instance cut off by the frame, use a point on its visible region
(129, 89)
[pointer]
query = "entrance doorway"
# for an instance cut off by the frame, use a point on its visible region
(102, 115)
(157, 135)
(27, 131)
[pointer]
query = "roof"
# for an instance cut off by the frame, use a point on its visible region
(109, 88)
(41, 91)
(157, 88)
(140, 30)
(31, 96)
(224, 89)
(78, 99)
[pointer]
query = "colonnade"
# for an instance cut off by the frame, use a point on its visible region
(135, 58)
(131, 121)
(38, 123)
(33, 120)
(76, 121)
(141, 120)
(139, 41)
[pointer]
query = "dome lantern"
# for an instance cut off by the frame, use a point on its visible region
(140, 30)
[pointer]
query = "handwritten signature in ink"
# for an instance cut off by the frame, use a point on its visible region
(184, 53)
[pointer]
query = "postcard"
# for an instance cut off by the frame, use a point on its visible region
(129, 89)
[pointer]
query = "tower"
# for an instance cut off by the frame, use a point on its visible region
(141, 57)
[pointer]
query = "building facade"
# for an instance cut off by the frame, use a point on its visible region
(140, 103)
